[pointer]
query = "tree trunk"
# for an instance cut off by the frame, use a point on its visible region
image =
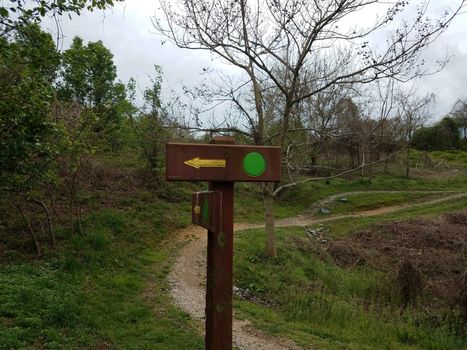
(49, 220)
(362, 173)
(269, 188)
(313, 165)
(269, 220)
(28, 223)
(73, 204)
(78, 216)
(70, 211)
(407, 163)
(370, 167)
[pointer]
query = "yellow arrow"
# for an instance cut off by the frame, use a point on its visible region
(197, 209)
(205, 163)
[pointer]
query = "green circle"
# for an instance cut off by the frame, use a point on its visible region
(254, 164)
(205, 211)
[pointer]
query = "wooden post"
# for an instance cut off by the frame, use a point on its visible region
(219, 284)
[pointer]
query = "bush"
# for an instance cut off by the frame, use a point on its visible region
(440, 137)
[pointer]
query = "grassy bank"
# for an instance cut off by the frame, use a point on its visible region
(304, 295)
(105, 289)
(372, 200)
(296, 200)
(342, 227)
(319, 304)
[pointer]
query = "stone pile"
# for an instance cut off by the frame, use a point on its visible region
(317, 234)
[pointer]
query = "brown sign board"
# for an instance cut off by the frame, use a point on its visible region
(207, 210)
(222, 162)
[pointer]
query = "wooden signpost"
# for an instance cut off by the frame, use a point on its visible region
(225, 162)
(221, 163)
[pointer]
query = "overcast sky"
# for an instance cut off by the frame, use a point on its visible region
(128, 32)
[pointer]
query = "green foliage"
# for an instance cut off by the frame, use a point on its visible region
(424, 139)
(440, 137)
(38, 304)
(450, 132)
(92, 291)
(373, 200)
(101, 73)
(150, 125)
(88, 79)
(36, 50)
(451, 159)
(20, 13)
(28, 142)
(88, 74)
(114, 120)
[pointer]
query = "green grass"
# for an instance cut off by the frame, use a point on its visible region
(107, 286)
(40, 308)
(441, 159)
(298, 199)
(303, 295)
(373, 200)
(341, 227)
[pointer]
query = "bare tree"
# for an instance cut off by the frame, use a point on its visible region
(413, 112)
(273, 42)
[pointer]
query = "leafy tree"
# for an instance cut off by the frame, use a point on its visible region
(88, 74)
(28, 138)
(38, 51)
(78, 124)
(117, 116)
(31, 136)
(448, 134)
(150, 126)
(74, 86)
(425, 139)
(101, 73)
(17, 13)
(440, 137)
(93, 110)
(27, 71)
(88, 78)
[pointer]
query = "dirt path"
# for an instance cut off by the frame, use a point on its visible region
(189, 272)
(186, 278)
(306, 220)
(324, 202)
